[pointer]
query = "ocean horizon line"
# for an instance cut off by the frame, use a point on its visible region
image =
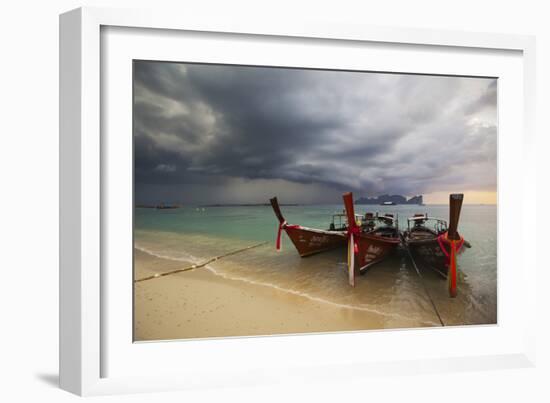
(182, 205)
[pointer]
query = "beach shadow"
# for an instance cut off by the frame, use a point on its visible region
(49, 379)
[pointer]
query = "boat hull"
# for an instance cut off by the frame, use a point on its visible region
(309, 241)
(372, 249)
(428, 254)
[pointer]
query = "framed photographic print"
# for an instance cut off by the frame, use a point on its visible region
(213, 143)
(235, 199)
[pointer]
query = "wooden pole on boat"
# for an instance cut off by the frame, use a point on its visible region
(455, 205)
(282, 222)
(277, 209)
(352, 232)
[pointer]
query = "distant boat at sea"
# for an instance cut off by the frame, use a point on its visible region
(390, 200)
(160, 206)
(163, 206)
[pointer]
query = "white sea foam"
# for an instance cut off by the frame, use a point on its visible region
(161, 255)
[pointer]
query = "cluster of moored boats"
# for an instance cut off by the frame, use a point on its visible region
(431, 242)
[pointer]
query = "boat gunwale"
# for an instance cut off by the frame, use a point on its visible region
(289, 227)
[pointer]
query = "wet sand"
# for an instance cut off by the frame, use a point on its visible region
(198, 304)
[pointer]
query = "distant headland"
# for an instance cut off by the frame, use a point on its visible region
(390, 199)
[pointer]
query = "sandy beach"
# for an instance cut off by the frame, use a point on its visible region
(198, 304)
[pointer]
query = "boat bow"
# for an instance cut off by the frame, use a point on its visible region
(282, 221)
(353, 233)
(308, 241)
(454, 239)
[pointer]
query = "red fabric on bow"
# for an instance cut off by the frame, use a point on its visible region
(443, 239)
(283, 225)
(353, 232)
(455, 247)
(279, 233)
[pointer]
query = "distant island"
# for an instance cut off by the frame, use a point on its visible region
(390, 200)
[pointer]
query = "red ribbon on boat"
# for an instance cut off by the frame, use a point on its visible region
(443, 239)
(451, 277)
(282, 226)
(455, 247)
(279, 232)
(353, 232)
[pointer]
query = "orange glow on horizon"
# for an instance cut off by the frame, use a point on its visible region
(470, 197)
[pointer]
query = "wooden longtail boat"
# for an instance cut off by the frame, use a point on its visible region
(309, 241)
(432, 245)
(369, 242)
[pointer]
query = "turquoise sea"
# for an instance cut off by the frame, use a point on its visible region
(392, 288)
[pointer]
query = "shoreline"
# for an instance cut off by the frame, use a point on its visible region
(201, 304)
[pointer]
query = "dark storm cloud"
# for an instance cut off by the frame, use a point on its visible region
(201, 125)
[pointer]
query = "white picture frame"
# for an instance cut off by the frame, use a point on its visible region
(88, 334)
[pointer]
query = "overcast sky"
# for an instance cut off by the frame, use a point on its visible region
(232, 134)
